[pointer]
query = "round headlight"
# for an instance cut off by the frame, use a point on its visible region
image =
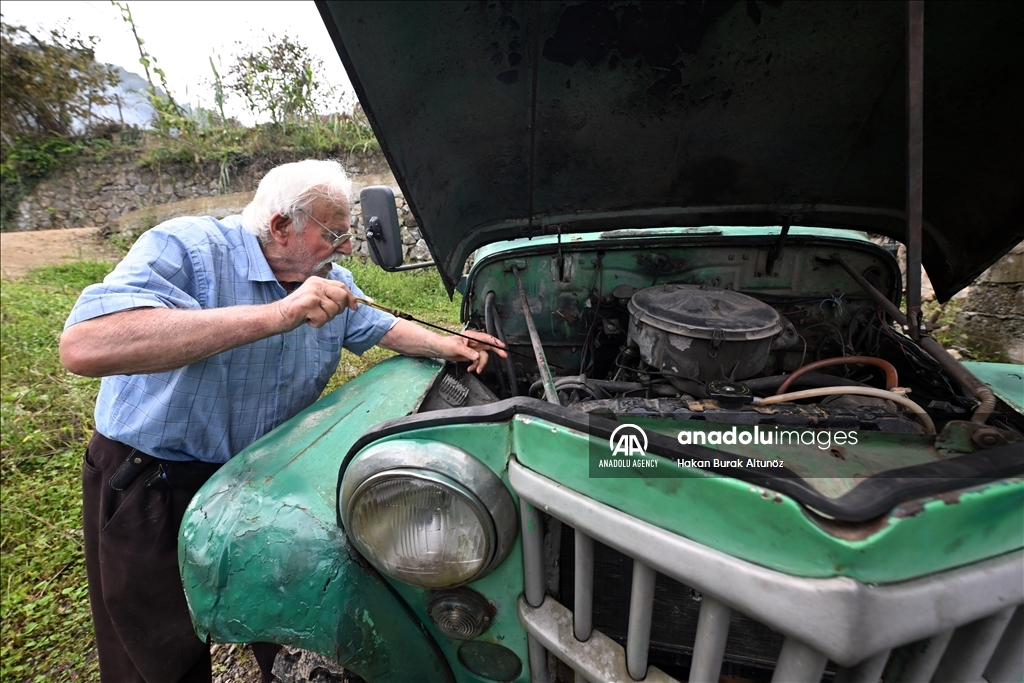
(421, 528)
(426, 513)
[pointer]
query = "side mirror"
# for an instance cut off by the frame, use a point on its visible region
(383, 232)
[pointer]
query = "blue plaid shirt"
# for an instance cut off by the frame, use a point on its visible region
(212, 409)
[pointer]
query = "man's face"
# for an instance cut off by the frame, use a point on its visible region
(314, 250)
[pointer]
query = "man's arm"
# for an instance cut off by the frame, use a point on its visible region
(148, 340)
(410, 339)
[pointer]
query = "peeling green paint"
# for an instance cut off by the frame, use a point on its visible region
(772, 530)
(1006, 380)
(491, 444)
(263, 560)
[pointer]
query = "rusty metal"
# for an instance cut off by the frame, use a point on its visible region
(776, 251)
(988, 437)
(915, 163)
(967, 437)
(550, 393)
(972, 384)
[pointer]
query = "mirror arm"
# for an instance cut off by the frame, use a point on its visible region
(373, 232)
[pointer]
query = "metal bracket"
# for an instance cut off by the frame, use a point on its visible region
(775, 251)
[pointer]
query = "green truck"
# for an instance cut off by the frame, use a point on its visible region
(719, 447)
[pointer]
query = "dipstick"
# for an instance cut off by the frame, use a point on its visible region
(406, 316)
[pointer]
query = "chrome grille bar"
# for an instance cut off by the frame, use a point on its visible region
(843, 618)
(598, 659)
(583, 605)
(538, 660)
(799, 663)
(852, 623)
(641, 609)
(533, 552)
(1008, 660)
(868, 671)
(709, 646)
(918, 661)
(971, 647)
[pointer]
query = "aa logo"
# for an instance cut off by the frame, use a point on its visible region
(628, 440)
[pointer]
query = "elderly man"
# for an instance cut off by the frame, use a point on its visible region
(209, 334)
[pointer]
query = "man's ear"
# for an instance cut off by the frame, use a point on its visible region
(280, 227)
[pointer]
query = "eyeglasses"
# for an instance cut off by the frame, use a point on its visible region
(336, 238)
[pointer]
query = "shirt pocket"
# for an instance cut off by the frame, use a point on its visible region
(328, 353)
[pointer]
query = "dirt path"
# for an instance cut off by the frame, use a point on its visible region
(20, 252)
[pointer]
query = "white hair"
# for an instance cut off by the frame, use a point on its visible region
(289, 189)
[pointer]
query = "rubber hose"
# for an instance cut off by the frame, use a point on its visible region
(492, 330)
(510, 369)
(856, 391)
(891, 379)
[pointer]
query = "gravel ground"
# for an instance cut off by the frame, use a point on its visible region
(236, 664)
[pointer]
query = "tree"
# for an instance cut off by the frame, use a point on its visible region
(49, 84)
(281, 79)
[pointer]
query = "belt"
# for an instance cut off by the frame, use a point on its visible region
(169, 474)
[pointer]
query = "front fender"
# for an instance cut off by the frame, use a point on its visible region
(262, 558)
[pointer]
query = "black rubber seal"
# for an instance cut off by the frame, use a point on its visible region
(873, 497)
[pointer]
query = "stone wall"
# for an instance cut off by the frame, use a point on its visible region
(99, 193)
(120, 195)
(992, 319)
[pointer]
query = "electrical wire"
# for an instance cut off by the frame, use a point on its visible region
(599, 285)
(839, 336)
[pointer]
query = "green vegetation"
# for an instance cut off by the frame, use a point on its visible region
(943, 319)
(49, 84)
(46, 422)
(46, 415)
(52, 85)
(418, 292)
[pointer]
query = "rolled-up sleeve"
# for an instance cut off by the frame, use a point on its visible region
(158, 272)
(364, 327)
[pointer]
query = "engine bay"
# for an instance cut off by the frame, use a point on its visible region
(746, 330)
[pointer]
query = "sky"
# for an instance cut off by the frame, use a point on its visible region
(184, 35)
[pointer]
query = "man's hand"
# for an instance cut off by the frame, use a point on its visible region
(476, 352)
(410, 339)
(316, 302)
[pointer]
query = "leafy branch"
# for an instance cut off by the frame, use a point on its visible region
(170, 118)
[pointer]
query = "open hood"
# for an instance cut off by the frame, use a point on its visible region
(509, 119)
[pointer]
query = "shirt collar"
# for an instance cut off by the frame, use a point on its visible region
(259, 269)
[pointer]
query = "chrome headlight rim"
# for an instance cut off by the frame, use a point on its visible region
(442, 464)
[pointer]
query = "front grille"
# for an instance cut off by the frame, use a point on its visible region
(751, 648)
(633, 603)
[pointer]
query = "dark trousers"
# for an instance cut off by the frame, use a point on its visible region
(143, 629)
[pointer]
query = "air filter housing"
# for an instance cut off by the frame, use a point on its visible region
(691, 332)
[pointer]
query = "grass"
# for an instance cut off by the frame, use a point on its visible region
(231, 146)
(45, 422)
(45, 419)
(29, 162)
(418, 292)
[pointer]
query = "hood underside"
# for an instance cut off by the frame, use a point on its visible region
(510, 119)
